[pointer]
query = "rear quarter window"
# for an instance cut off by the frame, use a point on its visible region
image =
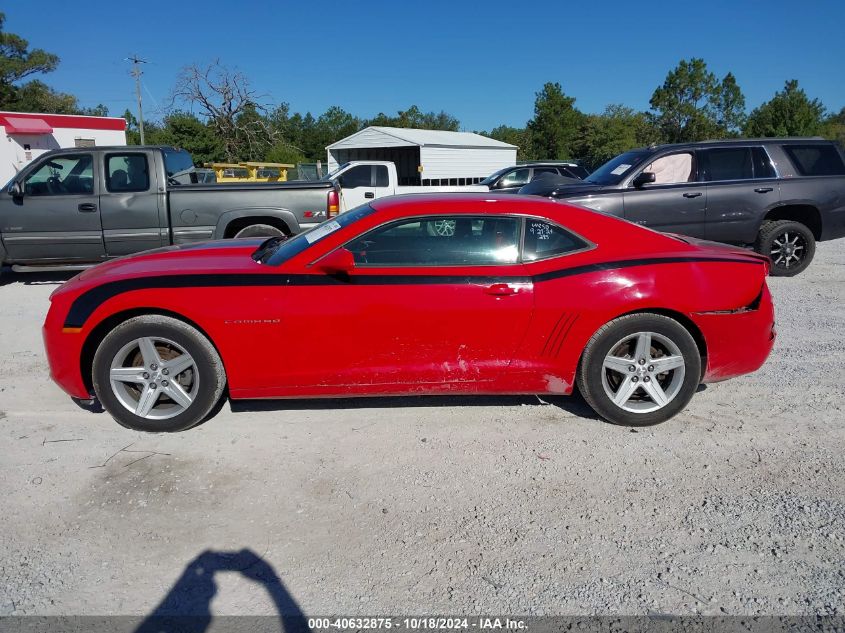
(544, 239)
(816, 160)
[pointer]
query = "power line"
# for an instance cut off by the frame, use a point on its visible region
(136, 72)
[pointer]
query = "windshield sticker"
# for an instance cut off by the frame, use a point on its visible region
(620, 170)
(321, 231)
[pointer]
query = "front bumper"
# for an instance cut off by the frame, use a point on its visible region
(64, 354)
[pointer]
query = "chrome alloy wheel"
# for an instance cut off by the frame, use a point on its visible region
(788, 249)
(643, 372)
(444, 228)
(154, 378)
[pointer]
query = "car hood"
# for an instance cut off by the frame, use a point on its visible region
(223, 256)
(562, 190)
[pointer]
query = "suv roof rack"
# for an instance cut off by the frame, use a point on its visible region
(764, 139)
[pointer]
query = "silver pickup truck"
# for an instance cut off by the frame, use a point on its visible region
(74, 207)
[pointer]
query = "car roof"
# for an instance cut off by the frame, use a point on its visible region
(111, 148)
(739, 141)
(546, 163)
(490, 204)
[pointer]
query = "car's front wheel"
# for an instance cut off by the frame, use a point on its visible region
(158, 374)
(639, 369)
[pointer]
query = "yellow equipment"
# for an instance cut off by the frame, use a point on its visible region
(250, 171)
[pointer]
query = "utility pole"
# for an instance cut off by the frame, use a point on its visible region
(136, 72)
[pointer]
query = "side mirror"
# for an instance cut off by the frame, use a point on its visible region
(16, 189)
(644, 178)
(339, 261)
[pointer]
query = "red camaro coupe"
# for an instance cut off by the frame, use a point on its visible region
(460, 294)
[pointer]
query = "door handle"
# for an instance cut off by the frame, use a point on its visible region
(369, 194)
(764, 189)
(500, 290)
(692, 194)
(87, 207)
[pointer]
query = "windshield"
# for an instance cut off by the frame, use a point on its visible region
(284, 250)
(332, 174)
(614, 170)
(494, 176)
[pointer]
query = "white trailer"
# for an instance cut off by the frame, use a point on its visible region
(25, 136)
(425, 157)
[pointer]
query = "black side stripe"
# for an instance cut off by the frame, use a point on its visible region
(86, 303)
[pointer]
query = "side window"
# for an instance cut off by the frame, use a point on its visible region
(730, 163)
(673, 169)
(127, 172)
(816, 160)
(544, 239)
(516, 178)
(763, 167)
(62, 175)
(440, 241)
(538, 171)
(357, 177)
(381, 176)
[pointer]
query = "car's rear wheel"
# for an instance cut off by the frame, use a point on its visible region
(639, 369)
(155, 373)
(790, 245)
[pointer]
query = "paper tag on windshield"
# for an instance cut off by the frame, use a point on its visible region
(321, 231)
(620, 170)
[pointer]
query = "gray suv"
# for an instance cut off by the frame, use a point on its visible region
(779, 195)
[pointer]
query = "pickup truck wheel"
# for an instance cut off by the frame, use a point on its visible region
(639, 369)
(790, 245)
(155, 373)
(258, 230)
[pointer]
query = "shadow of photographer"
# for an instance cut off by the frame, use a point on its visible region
(187, 606)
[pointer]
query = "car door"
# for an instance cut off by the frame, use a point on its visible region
(356, 186)
(57, 218)
(419, 311)
(129, 204)
(675, 201)
(741, 185)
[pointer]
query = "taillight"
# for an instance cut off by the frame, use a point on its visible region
(332, 204)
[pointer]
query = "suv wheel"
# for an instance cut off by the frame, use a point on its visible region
(790, 245)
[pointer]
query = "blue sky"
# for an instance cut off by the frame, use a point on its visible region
(480, 61)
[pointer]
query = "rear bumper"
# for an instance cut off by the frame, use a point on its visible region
(737, 342)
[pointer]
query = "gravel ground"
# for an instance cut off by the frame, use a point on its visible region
(493, 505)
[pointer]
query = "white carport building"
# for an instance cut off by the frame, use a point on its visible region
(426, 157)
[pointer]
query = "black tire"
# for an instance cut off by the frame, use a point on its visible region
(209, 367)
(770, 243)
(591, 368)
(258, 230)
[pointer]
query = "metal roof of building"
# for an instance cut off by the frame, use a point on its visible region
(399, 136)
